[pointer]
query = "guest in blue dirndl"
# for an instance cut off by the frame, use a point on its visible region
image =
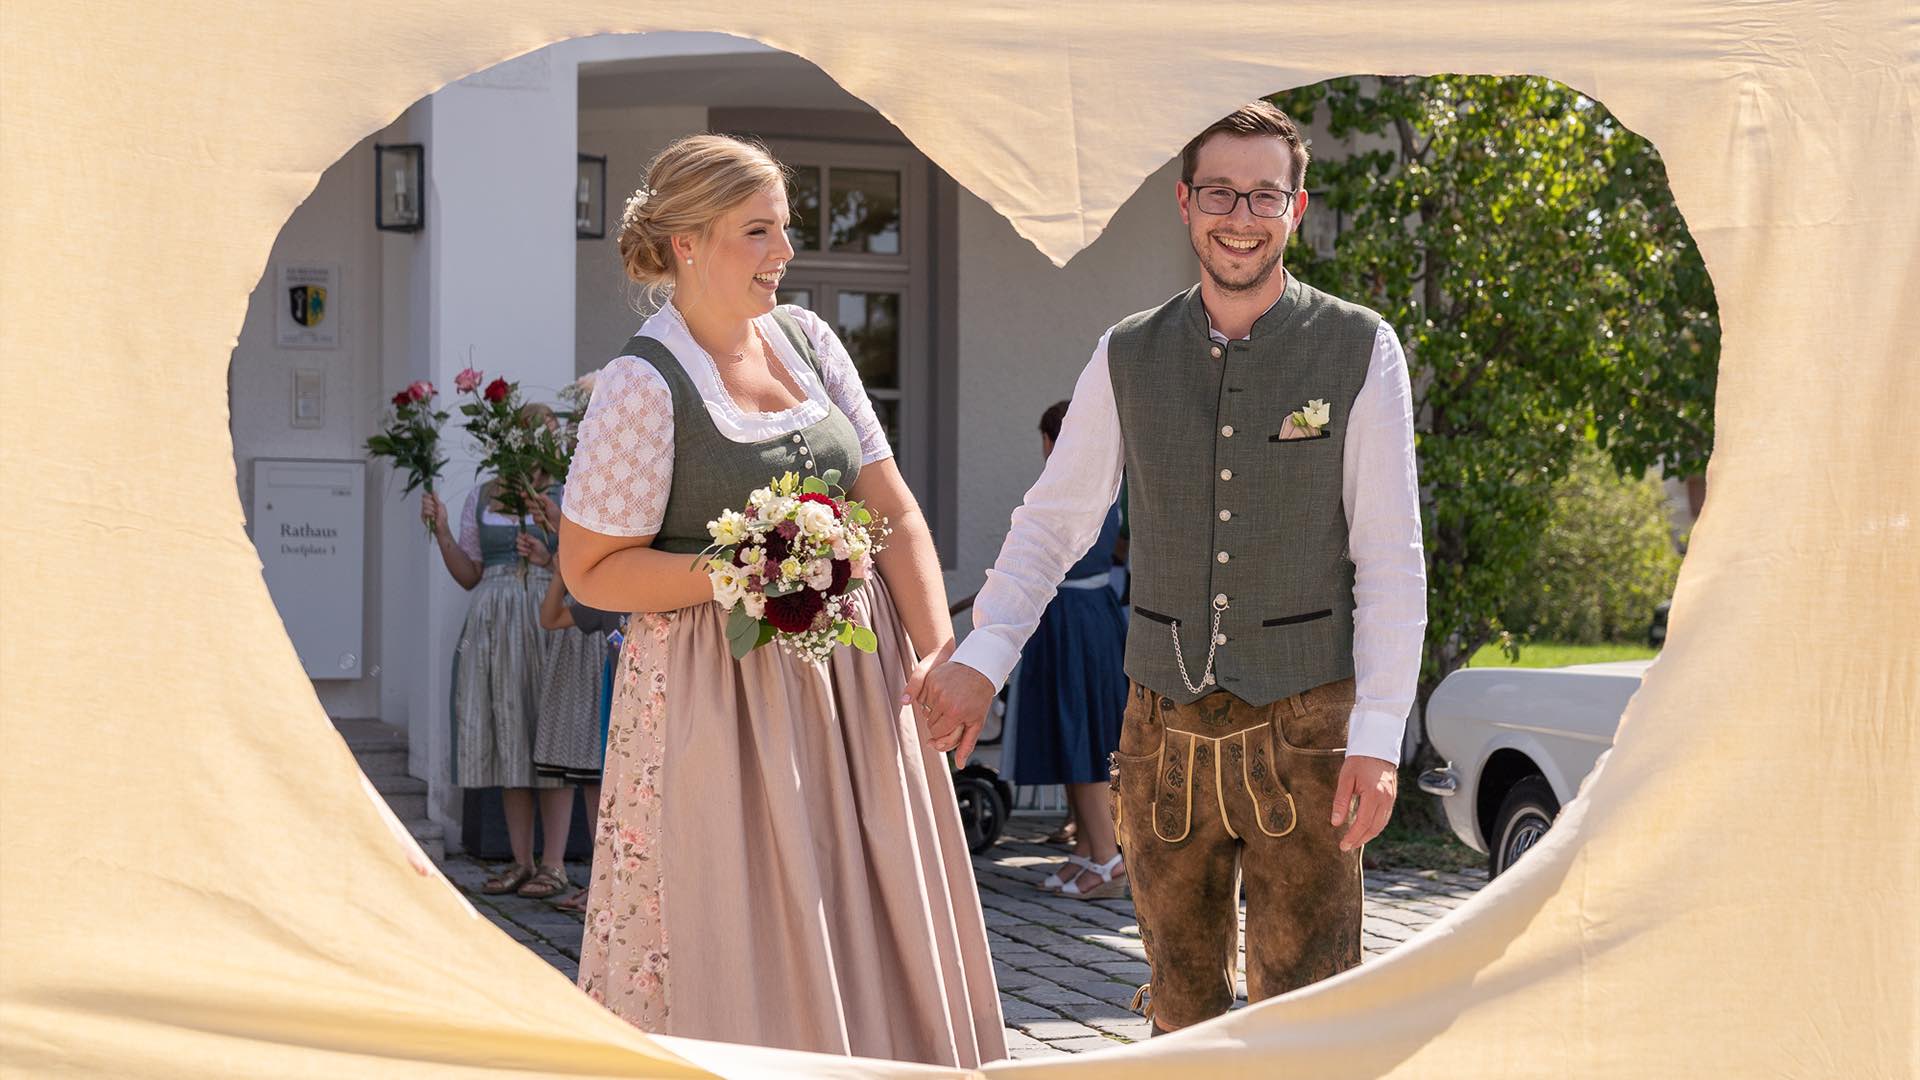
(1072, 691)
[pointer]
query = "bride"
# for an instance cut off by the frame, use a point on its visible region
(779, 859)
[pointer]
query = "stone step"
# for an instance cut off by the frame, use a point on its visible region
(431, 838)
(407, 796)
(380, 748)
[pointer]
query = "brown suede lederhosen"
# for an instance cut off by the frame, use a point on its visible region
(1209, 792)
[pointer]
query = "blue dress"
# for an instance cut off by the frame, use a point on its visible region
(1072, 685)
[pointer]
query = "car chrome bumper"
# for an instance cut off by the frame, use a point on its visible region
(1439, 781)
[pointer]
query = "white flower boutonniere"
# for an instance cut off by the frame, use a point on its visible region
(1306, 422)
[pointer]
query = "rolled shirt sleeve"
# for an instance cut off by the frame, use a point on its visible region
(1381, 494)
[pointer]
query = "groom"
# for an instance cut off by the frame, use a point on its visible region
(1266, 435)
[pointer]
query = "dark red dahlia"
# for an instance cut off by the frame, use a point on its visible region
(777, 548)
(794, 613)
(842, 573)
(824, 500)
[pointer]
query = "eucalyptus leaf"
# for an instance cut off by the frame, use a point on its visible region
(813, 485)
(743, 632)
(865, 640)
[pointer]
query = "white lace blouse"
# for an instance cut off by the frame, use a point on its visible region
(622, 471)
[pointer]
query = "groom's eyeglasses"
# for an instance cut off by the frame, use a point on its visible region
(1261, 202)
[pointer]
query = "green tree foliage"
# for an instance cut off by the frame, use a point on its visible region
(1527, 249)
(1604, 560)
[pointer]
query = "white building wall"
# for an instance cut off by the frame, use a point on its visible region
(333, 226)
(628, 138)
(1026, 331)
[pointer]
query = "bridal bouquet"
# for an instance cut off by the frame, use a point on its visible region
(410, 435)
(785, 568)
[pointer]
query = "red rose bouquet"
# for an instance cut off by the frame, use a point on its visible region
(410, 435)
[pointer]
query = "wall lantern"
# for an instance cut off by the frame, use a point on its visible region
(399, 187)
(590, 198)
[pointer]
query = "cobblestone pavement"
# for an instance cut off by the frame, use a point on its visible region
(1067, 968)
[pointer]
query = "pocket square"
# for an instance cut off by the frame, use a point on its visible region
(1305, 422)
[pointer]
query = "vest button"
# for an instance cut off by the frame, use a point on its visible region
(796, 438)
(1216, 352)
(1219, 639)
(809, 464)
(1166, 703)
(1220, 600)
(1222, 557)
(1227, 432)
(1226, 474)
(1226, 515)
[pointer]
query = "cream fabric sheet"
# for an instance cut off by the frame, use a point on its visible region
(196, 883)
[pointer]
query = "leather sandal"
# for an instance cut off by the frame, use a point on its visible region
(548, 881)
(1065, 872)
(507, 880)
(1109, 885)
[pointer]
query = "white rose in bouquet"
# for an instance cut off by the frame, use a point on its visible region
(815, 519)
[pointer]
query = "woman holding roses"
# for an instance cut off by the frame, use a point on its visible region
(780, 858)
(497, 675)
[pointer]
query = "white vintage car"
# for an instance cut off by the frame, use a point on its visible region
(1518, 742)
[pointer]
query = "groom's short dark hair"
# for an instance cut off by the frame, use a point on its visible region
(1252, 120)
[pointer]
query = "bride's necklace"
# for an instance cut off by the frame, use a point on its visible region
(753, 338)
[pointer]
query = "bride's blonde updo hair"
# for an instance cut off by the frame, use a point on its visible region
(689, 184)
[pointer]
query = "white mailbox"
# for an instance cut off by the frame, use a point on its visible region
(309, 525)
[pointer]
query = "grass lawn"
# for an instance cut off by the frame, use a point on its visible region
(1548, 654)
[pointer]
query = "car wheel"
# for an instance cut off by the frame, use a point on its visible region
(1525, 816)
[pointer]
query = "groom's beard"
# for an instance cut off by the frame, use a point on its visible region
(1236, 280)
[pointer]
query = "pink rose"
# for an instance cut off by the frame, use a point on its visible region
(419, 390)
(468, 380)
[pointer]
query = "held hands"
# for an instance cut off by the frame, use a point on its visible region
(952, 700)
(1374, 782)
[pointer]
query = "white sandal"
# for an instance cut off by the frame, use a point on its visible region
(1109, 885)
(1072, 868)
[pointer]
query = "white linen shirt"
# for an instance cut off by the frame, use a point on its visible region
(1063, 511)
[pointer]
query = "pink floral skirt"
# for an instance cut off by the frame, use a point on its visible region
(780, 859)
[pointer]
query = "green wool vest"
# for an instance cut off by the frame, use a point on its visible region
(712, 473)
(1224, 511)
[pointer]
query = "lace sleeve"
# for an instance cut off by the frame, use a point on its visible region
(842, 380)
(470, 523)
(622, 470)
